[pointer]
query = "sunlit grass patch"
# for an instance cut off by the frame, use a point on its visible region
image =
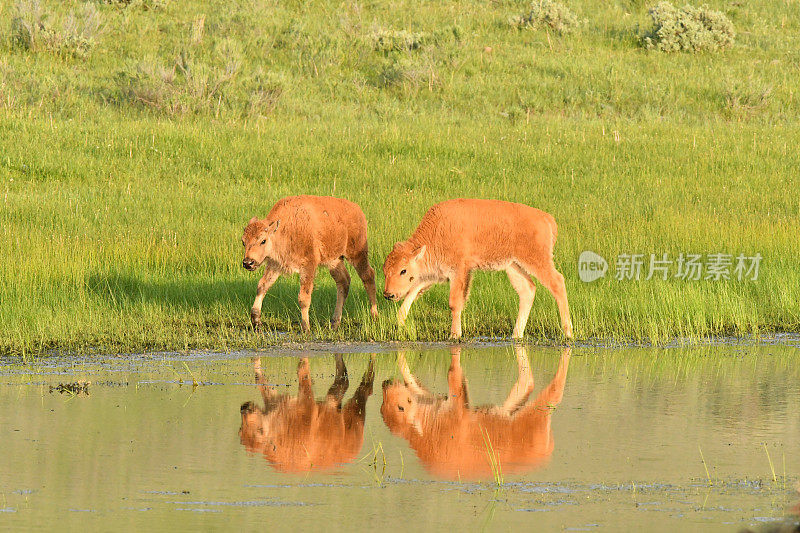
(126, 175)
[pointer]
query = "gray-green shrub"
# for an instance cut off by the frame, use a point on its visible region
(188, 86)
(747, 97)
(688, 29)
(388, 40)
(73, 36)
(198, 82)
(146, 5)
(264, 90)
(547, 14)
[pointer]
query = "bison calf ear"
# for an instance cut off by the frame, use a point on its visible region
(254, 219)
(419, 252)
(273, 227)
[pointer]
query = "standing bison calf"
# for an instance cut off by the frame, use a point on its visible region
(458, 236)
(302, 233)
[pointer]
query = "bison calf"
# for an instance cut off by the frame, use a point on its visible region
(450, 436)
(458, 236)
(298, 433)
(302, 233)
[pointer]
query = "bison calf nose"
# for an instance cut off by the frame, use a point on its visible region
(388, 295)
(248, 263)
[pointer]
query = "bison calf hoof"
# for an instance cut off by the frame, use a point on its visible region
(335, 323)
(303, 369)
(255, 319)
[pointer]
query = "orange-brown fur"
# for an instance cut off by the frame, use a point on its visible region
(302, 233)
(454, 440)
(458, 236)
(297, 433)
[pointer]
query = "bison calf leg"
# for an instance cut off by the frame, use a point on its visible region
(554, 281)
(367, 275)
(559, 291)
(266, 281)
(523, 388)
(457, 393)
(305, 390)
(304, 298)
(267, 392)
(459, 289)
(526, 290)
(340, 383)
(356, 406)
(554, 392)
(342, 278)
(405, 308)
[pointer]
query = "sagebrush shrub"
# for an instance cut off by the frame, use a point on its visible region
(149, 83)
(146, 5)
(264, 91)
(73, 36)
(747, 97)
(688, 29)
(26, 23)
(200, 81)
(387, 40)
(188, 86)
(547, 14)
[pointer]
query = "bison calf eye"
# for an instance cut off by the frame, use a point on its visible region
(264, 241)
(400, 408)
(402, 271)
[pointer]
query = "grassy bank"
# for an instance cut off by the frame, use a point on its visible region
(127, 172)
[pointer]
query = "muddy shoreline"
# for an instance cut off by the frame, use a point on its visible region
(317, 348)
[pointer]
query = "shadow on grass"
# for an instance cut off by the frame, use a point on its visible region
(129, 291)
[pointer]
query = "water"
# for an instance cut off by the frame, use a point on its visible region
(649, 439)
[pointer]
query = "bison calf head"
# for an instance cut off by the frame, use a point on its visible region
(257, 242)
(402, 270)
(399, 408)
(253, 432)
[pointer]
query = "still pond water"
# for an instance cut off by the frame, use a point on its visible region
(474, 438)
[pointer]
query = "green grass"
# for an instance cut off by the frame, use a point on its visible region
(124, 187)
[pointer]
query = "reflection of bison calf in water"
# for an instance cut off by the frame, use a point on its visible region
(297, 433)
(454, 440)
